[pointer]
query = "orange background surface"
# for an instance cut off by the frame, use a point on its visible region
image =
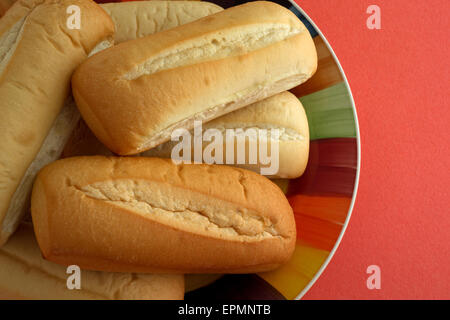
(399, 77)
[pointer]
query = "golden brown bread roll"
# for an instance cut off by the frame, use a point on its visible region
(38, 53)
(135, 94)
(137, 19)
(24, 274)
(141, 214)
(283, 112)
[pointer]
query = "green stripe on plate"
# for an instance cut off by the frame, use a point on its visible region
(330, 113)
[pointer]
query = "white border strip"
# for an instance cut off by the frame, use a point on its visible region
(358, 167)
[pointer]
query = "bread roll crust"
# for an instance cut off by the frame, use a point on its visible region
(163, 218)
(38, 54)
(134, 95)
(137, 19)
(283, 111)
(26, 275)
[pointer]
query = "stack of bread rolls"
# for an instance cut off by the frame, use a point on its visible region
(138, 71)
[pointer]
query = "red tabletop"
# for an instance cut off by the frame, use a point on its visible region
(399, 77)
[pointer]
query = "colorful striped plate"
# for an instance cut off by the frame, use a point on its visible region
(322, 199)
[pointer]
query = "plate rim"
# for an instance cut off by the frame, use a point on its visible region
(358, 165)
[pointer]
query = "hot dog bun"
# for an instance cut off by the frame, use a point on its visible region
(140, 214)
(38, 53)
(135, 94)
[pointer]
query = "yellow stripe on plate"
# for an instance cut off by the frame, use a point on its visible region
(291, 278)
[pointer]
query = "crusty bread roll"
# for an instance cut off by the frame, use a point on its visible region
(139, 214)
(137, 19)
(38, 53)
(132, 20)
(284, 112)
(24, 274)
(135, 94)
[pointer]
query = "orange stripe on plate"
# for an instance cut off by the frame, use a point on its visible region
(318, 233)
(333, 209)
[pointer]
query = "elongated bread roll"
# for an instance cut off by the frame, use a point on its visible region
(284, 112)
(137, 19)
(51, 149)
(135, 94)
(38, 53)
(139, 214)
(24, 274)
